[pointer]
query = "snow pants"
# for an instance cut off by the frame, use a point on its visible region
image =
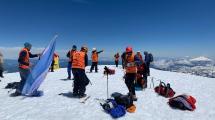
(129, 81)
(116, 63)
(69, 68)
(94, 65)
(24, 75)
(80, 81)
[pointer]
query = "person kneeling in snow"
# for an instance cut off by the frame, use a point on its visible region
(24, 66)
(79, 62)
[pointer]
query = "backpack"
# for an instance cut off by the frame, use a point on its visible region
(140, 82)
(124, 100)
(109, 71)
(183, 102)
(12, 85)
(164, 90)
(151, 59)
(110, 106)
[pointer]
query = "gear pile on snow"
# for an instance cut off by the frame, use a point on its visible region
(118, 106)
(111, 107)
(183, 102)
(164, 90)
(109, 71)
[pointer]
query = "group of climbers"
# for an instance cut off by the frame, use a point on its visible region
(136, 69)
(136, 72)
(78, 60)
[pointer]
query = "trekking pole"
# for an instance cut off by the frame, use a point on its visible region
(107, 72)
(107, 86)
(150, 84)
(91, 83)
(153, 82)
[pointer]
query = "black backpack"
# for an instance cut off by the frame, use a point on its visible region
(151, 59)
(13, 85)
(124, 100)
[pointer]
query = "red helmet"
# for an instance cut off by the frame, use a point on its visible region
(129, 49)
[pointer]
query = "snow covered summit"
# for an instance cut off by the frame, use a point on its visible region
(150, 106)
(201, 58)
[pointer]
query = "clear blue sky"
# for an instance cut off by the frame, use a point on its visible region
(169, 28)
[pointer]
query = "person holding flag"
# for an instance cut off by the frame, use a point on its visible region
(24, 66)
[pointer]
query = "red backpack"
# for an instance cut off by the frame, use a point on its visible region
(164, 90)
(183, 102)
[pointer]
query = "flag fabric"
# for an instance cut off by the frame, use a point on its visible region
(39, 72)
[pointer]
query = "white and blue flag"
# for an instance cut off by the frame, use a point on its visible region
(39, 72)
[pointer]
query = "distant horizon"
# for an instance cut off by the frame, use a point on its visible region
(112, 59)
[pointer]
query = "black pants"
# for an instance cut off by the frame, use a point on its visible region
(80, 81)
(94, 65)
(116, 62)
(123, 64)
(129, 81)
(52, 66)
(1, 73)
(148, 68)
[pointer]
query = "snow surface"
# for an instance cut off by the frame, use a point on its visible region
(150, 106)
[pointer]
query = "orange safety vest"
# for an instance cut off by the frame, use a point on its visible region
(95, 57)
(71, 55)
(26, 59)
(78, 60)
(130, 64)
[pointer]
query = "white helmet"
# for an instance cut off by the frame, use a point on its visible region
(94, 49)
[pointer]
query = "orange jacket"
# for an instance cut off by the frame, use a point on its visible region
(95, 57)
(78, 60)
(26, 59)
(130, 64)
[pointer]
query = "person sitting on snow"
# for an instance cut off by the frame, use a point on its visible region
(24, 66)
(95, 59)
(79, 62)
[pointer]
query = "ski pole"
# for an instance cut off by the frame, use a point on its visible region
(107, 86)
(153, 82)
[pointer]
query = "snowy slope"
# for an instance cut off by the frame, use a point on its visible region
(150, 106)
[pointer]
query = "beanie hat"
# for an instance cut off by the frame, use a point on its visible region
(27, 45)
(74, 47)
